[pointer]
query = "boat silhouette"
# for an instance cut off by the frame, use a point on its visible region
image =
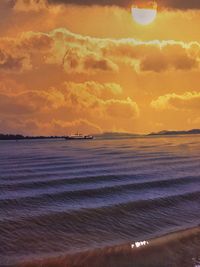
(79, 136)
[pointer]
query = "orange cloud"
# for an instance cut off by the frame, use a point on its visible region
(9, 62)
(186, 101)
(29, 102)
(20, 54)
(30, 5)
(88, 105)
(83, 54)
(122, 108)
(89, 98)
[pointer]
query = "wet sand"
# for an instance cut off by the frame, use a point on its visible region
(179, 249)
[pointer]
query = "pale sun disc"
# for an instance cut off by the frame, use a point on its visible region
(144, 16)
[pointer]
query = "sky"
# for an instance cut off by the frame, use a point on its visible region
(88, 66)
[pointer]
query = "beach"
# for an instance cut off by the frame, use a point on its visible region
(176, 249)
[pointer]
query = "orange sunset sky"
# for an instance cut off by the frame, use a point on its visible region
(68, 65)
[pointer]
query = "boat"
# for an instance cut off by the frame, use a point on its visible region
(78, 136)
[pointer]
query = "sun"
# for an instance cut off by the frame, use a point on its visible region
(144, 15)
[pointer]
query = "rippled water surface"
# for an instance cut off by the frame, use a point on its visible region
(59, 196)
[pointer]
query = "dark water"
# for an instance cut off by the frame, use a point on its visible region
(59, 197)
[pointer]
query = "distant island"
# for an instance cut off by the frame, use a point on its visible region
(107, 135)
(165, 132)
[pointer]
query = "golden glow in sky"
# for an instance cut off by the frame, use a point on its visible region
(144, 15)
(66, 67)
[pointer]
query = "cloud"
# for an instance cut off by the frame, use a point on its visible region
(79, 61)
(172, 56)
(59, 47)
(155, 56)
(20, 53)
(104, 91)
(175, 4)
(29, 102)
(30, 5)
(77, 54)
(99, 64)
(122, 108)
(108, 54)
(90, 98)
(180, 4)
(15, 63)
(15, 105)
(84, 54)
(186, 101)
(88, 106)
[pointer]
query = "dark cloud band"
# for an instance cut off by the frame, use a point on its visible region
(121, 3)
(180, 4)
(174, 4)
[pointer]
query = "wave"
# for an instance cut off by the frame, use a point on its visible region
(94, 163)
(106, 180)
(17, 176)
(96, 192)
(127, 210)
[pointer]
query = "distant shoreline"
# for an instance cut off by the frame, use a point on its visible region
(7, 137)
(165, 132)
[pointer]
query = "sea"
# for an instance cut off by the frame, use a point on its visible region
(66, 203)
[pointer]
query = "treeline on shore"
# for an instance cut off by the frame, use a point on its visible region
(22, 137)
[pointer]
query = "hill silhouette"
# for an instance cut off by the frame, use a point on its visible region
(165, 132)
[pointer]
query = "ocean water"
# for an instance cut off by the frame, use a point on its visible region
(62, 197)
